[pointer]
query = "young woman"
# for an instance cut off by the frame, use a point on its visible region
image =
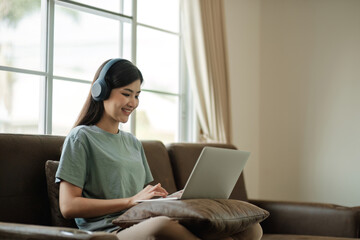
(103, 170)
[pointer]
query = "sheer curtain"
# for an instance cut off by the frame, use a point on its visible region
(204, 41)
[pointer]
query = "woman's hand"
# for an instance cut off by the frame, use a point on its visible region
(149, 192)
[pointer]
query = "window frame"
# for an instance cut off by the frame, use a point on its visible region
(186, 112)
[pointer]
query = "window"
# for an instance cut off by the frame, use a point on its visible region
(50, 50)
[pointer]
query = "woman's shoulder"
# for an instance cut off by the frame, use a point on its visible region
(79, 132)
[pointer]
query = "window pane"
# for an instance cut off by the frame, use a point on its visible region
(157, 117)
(126, 36)
(20, 34)
(118, 6)
(158, 59)
(68, 100)
(83, 41)
(19, 102)
(159, 13)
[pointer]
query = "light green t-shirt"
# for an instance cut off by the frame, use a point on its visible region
(104, 166)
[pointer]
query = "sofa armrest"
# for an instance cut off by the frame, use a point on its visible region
(17, 231)
(301, 218)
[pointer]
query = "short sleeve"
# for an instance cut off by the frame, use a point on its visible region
(148, 176)
(72, 167)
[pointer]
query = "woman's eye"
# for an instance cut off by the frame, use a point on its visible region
(126, 95)
(137, 97)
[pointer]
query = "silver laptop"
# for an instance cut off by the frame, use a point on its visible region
(214, 175)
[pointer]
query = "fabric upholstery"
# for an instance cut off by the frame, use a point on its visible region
(23, 191)
(299, 237)
(207, 218)
(15, 231)
(183, 157)
(159, 164)
(336, 221)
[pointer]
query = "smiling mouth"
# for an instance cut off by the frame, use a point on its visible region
(128, 111)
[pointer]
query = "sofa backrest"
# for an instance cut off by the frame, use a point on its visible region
(159, 162)
(23, 192)
(183, 157)
(23, 188)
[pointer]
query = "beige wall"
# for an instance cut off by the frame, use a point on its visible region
(242, 27)
(295, 97)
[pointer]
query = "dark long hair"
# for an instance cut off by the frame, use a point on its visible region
(120, 74)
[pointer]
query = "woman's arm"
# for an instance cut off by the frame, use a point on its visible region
(73, 205)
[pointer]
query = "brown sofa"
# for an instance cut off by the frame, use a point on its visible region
(25, 210)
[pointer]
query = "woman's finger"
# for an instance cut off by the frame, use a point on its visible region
(158, 187)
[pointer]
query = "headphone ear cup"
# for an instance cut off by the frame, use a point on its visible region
(100, 90)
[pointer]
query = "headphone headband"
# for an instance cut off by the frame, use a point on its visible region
(100, 90)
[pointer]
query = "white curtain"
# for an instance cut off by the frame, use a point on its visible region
(204, 41)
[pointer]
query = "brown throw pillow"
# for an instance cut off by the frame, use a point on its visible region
(207, 218)
(53, 194)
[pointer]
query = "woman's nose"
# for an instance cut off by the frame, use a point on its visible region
(132, 103)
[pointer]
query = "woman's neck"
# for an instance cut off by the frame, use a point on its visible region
(108, 126)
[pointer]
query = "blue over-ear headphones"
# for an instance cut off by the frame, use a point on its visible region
(100, 90)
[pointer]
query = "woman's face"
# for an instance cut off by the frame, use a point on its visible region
(122, 102)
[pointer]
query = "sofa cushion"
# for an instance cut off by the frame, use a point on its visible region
(160, 165)
(14, 231)
(299, 237)
(207, 218)
(57, 218)
(183, 157)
